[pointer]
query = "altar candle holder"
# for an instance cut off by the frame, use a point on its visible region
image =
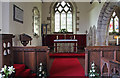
(117, 40)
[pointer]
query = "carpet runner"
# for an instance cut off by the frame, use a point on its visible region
(66, 68)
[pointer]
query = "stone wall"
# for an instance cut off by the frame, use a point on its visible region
(104, 18)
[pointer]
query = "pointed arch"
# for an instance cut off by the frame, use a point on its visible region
(103, 22)
(52, 15)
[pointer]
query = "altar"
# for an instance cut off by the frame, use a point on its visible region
(65, 45)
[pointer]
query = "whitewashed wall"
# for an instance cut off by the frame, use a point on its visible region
(19, 28)
(94, 13)
(5, 17)
(88, 15)
(0, 33)
(0, 16)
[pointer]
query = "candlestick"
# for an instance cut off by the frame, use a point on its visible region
(117, 41)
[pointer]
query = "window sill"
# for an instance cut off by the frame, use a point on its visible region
(63, 33)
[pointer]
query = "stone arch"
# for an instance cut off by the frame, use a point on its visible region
(103, 21)
(74, 14)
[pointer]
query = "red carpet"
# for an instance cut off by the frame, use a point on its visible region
(67, 54)
(66, 68)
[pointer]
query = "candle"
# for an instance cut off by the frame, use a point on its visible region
(74, 36)
(117, 41)
(57, 36)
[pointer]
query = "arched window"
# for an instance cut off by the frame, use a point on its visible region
(36, 22)
(63, 16)
(114, 23)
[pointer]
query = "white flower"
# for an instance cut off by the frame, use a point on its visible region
(93, 70)
(93, 64)
(11, 69)
(90, 71)
(4, 69)
(1, 76)
(93, 75)
(40, 64)
(43, 72)
(39, 74)
(40, 70)
(93, 67)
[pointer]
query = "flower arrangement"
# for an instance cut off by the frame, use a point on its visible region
(41, 72)
(63, 31)
(6, 71)
(93, 73)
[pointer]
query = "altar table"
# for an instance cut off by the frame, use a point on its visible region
(65, 45)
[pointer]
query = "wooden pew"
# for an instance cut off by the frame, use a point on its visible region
(102, 55)
(31, 56)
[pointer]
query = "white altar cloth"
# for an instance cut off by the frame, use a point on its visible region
(65, 45)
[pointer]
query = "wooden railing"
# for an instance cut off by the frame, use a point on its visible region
(101, 56)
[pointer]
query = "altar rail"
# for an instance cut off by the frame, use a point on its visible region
(97, 53)
(31, 56)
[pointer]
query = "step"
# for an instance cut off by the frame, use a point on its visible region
(67, 54)
(25, 73)
(19, 68)
(33, 75)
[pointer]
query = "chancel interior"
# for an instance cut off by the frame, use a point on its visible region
(60, 38)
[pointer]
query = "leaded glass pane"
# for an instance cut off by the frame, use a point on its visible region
(111, 25)
(114, 14)
(57, 4)
(116, 22)
(63, 17)
(57, 22)
(63, 3)
(36, 21)
(63, 20)
(60, 8)
(69, 22)
(68, 4)
(55, 9)
(66, 8)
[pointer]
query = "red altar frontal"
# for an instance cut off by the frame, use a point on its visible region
(65, 45)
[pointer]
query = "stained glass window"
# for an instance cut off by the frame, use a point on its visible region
(114, 23)
(63, 16)
(111, 25)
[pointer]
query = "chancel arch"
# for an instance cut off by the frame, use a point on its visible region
(72, 9)
(103, 22)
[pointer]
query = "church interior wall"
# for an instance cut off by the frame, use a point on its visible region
(88, 14)
(17, 28)
(0, 16)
